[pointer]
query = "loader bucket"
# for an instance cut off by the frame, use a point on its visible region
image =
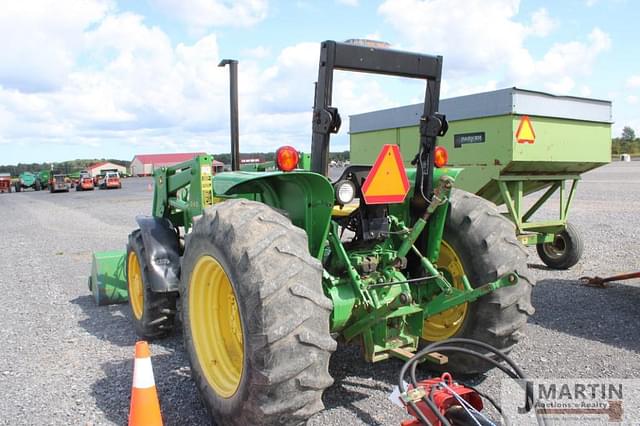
(108, 281)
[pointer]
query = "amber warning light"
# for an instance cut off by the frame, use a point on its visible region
(440, 157)
(287, 158)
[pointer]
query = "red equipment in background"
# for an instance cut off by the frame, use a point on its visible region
(85, 182)
(446, 395)
(440, 401)
(5, 182)
(110, 180)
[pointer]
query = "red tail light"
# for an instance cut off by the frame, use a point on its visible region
(440, 157)
(287, 158)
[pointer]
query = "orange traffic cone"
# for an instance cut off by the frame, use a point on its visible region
(145, 408)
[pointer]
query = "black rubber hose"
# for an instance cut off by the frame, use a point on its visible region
(430, 404)
(485, 396)
(432, 347)
(442, 346)
(510, 373)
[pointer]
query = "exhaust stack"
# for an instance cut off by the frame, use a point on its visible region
(233, 111)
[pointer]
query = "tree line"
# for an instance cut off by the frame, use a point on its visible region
(627, 143)
(71, 166)
(65, 167)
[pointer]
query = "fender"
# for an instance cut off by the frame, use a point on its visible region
(162, 252)
(306, 198)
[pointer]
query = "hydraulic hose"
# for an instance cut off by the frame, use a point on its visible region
(455, 345)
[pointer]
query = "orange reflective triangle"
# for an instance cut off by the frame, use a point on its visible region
(387, 182)
(525, 133)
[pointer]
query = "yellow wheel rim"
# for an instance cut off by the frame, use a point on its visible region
(448, 323)
(136, 287)
(215, 326)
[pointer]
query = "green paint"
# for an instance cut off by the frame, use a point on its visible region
(306, 197)
(27, 179)
(182, 191)
(372, 297)
(504, 171)
(108, 282)
(561, 147)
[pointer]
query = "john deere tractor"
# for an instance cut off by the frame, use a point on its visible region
(270, 269)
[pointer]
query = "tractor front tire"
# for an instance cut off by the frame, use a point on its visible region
(153, 313)
(481, 243)
(565, 250)
(255, 318)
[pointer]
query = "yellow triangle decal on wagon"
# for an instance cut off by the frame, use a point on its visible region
(387, 181)
(525, 133)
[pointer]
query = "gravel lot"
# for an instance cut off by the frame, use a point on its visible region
(65, 361)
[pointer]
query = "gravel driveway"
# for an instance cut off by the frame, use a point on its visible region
(64, 360)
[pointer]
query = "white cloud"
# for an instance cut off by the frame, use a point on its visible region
(564, 62)
(585, 91)
(122, 82)
(140, 93)
(139, 88)
(258, 52)
(349, 2)
(488, 39)
(632, 99)
(40, 42)
(541, 23)
(461, 33)
(561, 85)
(203, 14)
(634, 81)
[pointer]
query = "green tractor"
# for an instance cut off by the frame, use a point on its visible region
(271, 268)
(44, 176)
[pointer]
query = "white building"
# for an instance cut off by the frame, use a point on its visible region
(105, 166)
(144, 165)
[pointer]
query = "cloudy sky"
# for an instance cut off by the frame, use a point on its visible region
(114, 78)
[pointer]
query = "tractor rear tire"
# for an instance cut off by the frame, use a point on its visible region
(486, 245)
(565, 251)
(272, 367)
(153, 313)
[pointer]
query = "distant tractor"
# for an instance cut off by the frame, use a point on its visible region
(27, 180)
(85, 182)
(44, 176)
(5, 182)
(269, 268)
(59, 183)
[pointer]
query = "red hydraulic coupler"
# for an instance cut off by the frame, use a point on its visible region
(443, 397)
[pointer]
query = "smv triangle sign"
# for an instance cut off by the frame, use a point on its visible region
(525, 132)
(387, 181)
